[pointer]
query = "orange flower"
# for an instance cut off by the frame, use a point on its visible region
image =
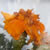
(17, 30)
(21, 21)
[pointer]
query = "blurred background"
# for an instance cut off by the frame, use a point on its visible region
(41, 7)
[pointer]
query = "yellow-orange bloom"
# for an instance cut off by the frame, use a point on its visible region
(21, 21)
(17, 30)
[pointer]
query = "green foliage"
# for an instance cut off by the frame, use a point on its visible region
(18, 44)
(2, 42)
(13, 44)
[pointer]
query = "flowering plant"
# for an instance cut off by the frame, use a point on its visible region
(27, 21)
